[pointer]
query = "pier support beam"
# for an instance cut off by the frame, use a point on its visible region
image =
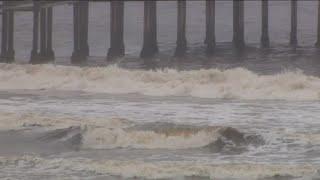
(10, 51)
(318, 33)
(80, 30)
(49, 49)
(43, 33)
(294, 23)
(117, 48)
(76, 31)
(210, 26)
(181, 28)
(35, 39)
(42, 51)
(265, 41)
(150, 46)
(238, 23)
(7, 45)
(84, 19)
(4, 35)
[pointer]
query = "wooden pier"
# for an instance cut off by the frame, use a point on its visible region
(42, 50)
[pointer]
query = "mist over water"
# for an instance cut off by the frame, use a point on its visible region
(248, 115)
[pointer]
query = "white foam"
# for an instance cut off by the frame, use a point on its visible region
(102, 138)
(236, 83)
(108, 133)
(134, 168)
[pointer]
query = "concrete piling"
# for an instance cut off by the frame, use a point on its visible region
(80, 31)
(43, 33)
(265, 41)
(7, 42)
(181, 28)
(238, 23)
(42, 50)
(84, 25)
(210, 26)
(117, 48)
(42, 41)
(10, 52)
(35, 39)
(150, 45)
(4, 34)
(294, 23)
(49, 50)
(318, 28)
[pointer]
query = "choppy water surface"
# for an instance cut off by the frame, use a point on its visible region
(114, 123)
(244, 116)
(86, 135)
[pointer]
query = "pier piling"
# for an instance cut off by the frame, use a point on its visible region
(265, 42)
(150, 45)
(42, 41)
(43, 33)
(117, 48)
(49, 50)
(10, 53)
(80, 31)
(181, 28)
(42, 22)
(238, 23)
(76, 50)
(84, 25)
(294, 23)
(35, 39)
(318, 28)
(7, 45)
(4, 34)
(210, 26)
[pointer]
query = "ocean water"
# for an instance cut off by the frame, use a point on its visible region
(253, 115)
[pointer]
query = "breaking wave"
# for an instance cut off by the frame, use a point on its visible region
(121, 133)
(169, 136)
(236, 83)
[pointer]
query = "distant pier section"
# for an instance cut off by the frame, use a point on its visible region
(42, 50)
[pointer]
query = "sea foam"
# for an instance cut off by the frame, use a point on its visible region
(235, 83)
(110, 133)
(71, 167)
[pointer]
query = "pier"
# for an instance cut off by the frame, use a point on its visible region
(43, 51)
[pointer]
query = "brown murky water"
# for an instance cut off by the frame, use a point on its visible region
(126, 122)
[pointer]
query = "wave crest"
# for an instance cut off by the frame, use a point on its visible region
(236, 83)
(121, 133)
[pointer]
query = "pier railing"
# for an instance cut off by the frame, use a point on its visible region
(42, 50)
